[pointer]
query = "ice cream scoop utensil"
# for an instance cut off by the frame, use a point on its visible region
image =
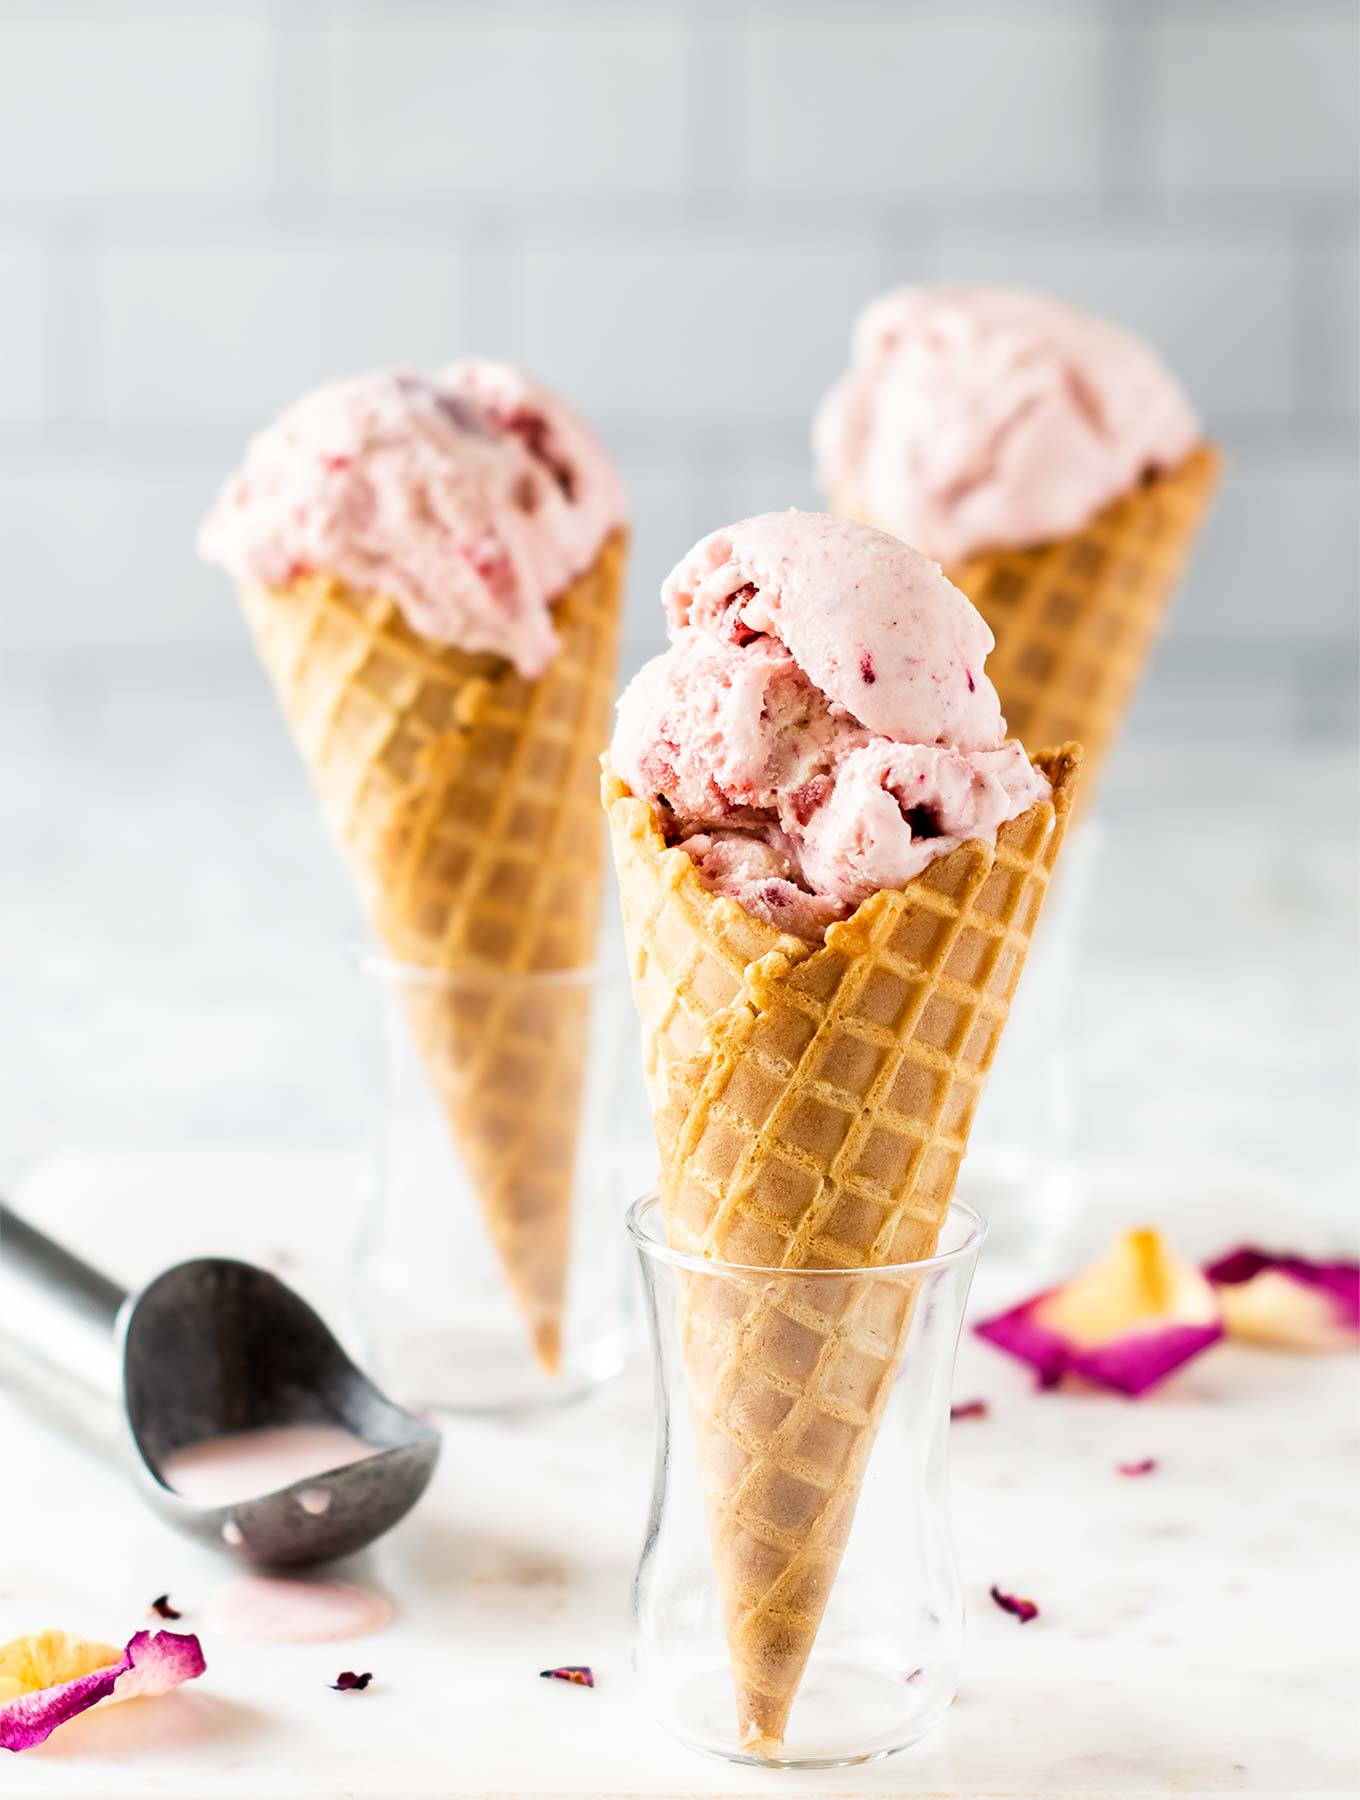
(212, 1347)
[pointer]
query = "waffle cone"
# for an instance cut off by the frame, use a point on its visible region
(812, 1107)
(464, 798)
(1075, 621)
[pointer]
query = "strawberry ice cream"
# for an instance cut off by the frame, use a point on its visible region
(822, 725)
(993, 418)
(471, 498)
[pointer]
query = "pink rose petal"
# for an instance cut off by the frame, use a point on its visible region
(1126, 1323)
(149, 1665)
(1288, 1301)
(154, 1665)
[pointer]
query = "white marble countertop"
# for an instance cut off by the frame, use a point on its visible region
(1195, 1636)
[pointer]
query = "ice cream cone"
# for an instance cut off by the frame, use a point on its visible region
(812, 1105)
(464, 797)
(1075, 621)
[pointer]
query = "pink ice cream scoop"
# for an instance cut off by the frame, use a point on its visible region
(979, 419)
(471, 498)
(822, 725)
(870, 622)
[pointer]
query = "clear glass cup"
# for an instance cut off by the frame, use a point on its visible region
(490, 1276)
(773, 1431)
(1020, 1170)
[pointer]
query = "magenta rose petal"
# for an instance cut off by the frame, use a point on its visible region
(969, 1409)
(1144, 1359)
(1145, 1467)
(1024, 1610)
(151, 1664)
(1125, 1323)
(1021, 1333)
(32, 1718)
(1289, 1302)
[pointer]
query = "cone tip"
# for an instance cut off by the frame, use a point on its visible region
(547, 1336)
(759, 1744)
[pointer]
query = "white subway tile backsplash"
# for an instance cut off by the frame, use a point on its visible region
(1278, 561)
(1217, 302)
(1254, 102)
(234, 329)
(22, 334)
(95, 107)
(666, 514)
(671, 212)
(758, 481)
(694, 324)
(107, 550)
(500, 110)
(1329, 329)
(859, 107)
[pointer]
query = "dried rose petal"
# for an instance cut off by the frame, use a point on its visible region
(162, 1608)
(1024, 1610)
(1288, 1301)
(1126, 1322)
(347, 1682)
(577, 1672)
(48, 1678)
(1148, 1464)
(969, 1409)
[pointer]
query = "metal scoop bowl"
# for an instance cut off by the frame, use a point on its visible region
(212, 1347)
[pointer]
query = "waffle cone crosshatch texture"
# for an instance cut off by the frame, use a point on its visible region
(812, 1106)
(1075, 621)
(465, 799)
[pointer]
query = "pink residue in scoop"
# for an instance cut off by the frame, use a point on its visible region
(272, 1609)
(222, 1470)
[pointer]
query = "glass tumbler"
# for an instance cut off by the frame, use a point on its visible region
(1020, 1168)
(491, 1276)
(797, 1601)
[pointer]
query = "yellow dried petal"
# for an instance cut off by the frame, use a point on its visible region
(1140, 1284)
(43, 1659)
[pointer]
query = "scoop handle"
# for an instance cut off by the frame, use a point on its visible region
(57, 1317)
(30, 1257)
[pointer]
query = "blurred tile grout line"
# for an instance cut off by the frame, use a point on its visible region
(1178, 674)
(70, 347)
(152, 442)
(711, 118)
(1124, 91)
(296, 184)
